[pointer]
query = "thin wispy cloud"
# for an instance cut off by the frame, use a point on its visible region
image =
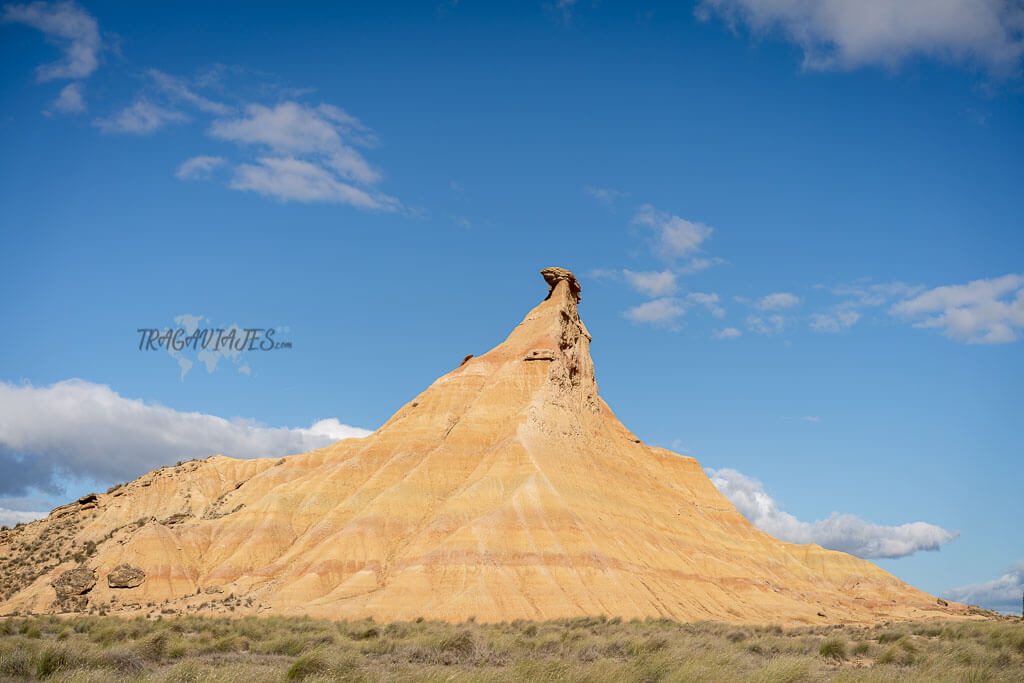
(844, 532)
(71, 99)
(835, 321)
(777, 301)
(73, 30)
(728, 333)
(849, 34)
(291, 179)
(142, 117)
(768, 325)
(198, 168)
(605, 195)
(651, 283)
(1002, 594)
(179, 90)
(659, 311)
(312, 155)
(979, 312)
(666, 310)
(89, 430)
(673, 237)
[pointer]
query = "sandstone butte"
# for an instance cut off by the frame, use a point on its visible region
(507, 490)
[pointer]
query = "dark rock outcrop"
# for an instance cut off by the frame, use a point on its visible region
(125, 576)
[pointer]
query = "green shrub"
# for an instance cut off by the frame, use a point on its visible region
(51, 660)
(832, 648)
(862, 648)
(309, 664)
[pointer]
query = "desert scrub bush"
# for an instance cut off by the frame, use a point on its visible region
(51, 659)
(787, 669)
(15, 662)
(862, 648)
(309, 664)
(322, 662)
(832, 648)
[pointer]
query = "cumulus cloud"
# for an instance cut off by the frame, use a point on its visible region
(844, 532)
(848, 34)
(1002, 594)
(198, 168)
(728, 333)
(67, 26)
(71, 99)
(651, 283)
(777, 301)
(88, 430)
(979, 312)
(140, 118)
(178, 89)
(674, 237)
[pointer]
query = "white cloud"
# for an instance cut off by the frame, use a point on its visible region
(659, 311)
(674, 237)
(89, 430)
(652, 283)
(979, 312)
(178, 89)
(848, 34)
(810, 418)
(844, 532)
(140, 118)
(12, 517)
(313, 155)
(708, 301)
(777, 301)
(666, 309)
(71, 99)
(289, 128)
(68, 26)
(605, 195)
(728, 333)
(696, 265)
(1002, 594)
(836, 321)
(866, 294)
(197, 168)
(767, 324)
(293, 179)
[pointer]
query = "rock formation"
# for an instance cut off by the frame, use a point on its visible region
(507, 489)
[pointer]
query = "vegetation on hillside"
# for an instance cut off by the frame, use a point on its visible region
(93, 648)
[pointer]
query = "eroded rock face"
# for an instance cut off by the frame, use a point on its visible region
(78, 581)
(125, 576)
(507, 489)
(555, 275)
(71, 587)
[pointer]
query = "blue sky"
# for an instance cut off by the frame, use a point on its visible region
(797, 225)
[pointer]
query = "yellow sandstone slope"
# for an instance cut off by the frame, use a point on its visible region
(508, 489)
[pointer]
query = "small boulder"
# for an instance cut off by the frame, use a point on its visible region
(125, 576)
(210, 590)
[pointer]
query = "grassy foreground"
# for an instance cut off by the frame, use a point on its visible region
(90, 648)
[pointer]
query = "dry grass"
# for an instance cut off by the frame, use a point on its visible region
(192, 649)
